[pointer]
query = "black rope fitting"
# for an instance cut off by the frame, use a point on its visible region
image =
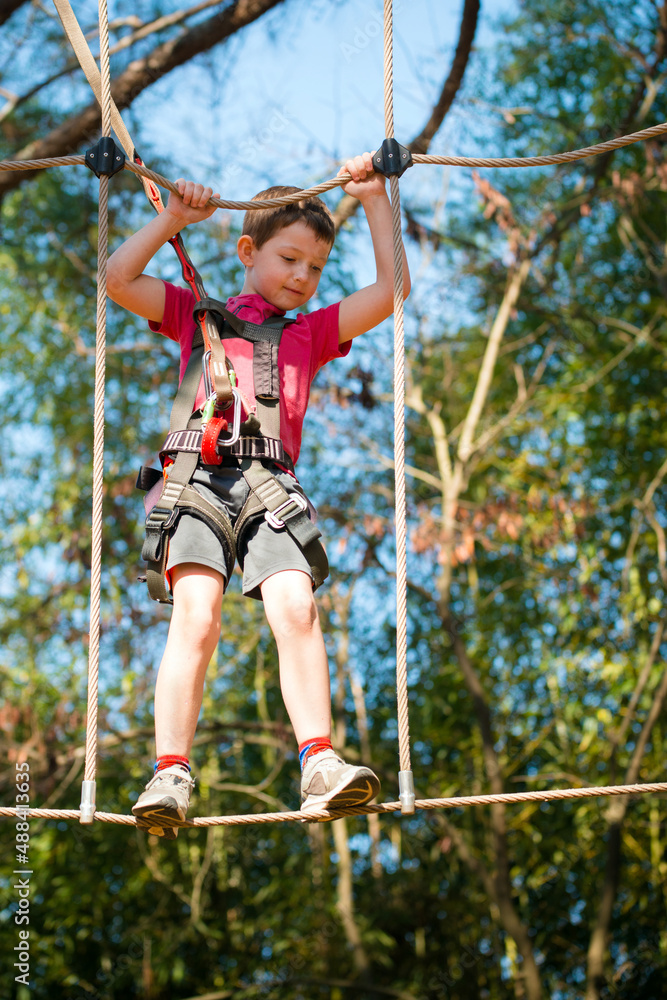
(392, 159)
(106, 158)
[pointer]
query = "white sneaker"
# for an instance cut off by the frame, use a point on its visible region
(164, 802)
(328, 782)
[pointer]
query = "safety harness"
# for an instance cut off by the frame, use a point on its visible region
(207, 436)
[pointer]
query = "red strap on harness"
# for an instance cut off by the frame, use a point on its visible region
(209, 441)
(193, 278)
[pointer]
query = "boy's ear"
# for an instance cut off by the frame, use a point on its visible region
(245, 249)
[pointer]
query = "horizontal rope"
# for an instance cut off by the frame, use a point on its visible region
(454, 802)
(549, 158)
(52, 161)
(340, 179)
(244, 206)
(143, 171)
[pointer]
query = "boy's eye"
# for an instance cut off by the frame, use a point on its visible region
(289, 259)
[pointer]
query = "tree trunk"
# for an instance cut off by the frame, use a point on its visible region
(345, 899)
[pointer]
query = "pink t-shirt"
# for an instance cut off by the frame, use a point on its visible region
(306, 345)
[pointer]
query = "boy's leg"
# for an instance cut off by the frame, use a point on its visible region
(304, 665)
(194, 631)
(193, 634)
(304, 680)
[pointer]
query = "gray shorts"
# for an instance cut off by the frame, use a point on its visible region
(263, 551)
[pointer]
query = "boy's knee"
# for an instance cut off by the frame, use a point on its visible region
(197, 611)
(296, 616)
(201, 621)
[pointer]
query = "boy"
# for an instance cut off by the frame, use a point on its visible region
(283, 252)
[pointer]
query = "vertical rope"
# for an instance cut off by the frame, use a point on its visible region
(98, 427)
(399, 415)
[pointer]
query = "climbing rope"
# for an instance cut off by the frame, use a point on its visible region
(453, 161)
(453, 802)
(405, 778)
(100, 82)
(418, 158)
(88, 787)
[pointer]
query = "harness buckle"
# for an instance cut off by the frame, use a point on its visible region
(277, 522)
(206, 371)
(162, 518)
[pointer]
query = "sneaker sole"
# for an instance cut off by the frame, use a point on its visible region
(159, 817)
(346, 795)
(155, 824)
(166, 832)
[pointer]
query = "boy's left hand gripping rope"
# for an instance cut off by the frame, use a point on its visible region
(106, 158)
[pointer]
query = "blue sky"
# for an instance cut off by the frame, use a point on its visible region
(304, 85)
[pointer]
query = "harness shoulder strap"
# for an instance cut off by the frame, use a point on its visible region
(184, 402)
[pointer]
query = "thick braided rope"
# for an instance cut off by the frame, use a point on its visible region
(400, 489)
(164, 182)
(419, 158)
(453, 802)
(422, 158)
(399, 415)
(388, 24)
(98, 421)
(548, 159)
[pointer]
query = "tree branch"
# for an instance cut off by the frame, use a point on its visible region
(524, 395)
(514, 286)
(139, 75)
(345, 899)
(7, 8)
(618, 736)
(142, 31)
(637, 110)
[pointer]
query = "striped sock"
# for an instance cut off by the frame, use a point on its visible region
(171, 760)
(310, 747)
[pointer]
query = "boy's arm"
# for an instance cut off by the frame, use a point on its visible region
(126, 282)
(366, 308)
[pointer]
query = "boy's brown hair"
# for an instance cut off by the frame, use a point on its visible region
(262, 225)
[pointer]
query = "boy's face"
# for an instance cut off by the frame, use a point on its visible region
(286, 270)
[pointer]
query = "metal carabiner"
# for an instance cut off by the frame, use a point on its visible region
(209, 406)
(236, 422)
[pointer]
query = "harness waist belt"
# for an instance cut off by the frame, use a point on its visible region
(245, 447)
